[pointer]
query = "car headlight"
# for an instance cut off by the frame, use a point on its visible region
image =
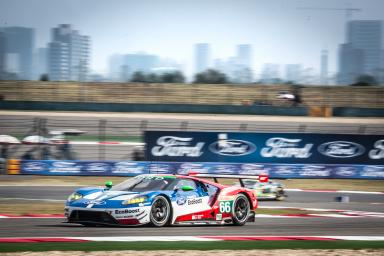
(74, 197)
(135, 200)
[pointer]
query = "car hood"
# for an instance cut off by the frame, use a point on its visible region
(104, 198)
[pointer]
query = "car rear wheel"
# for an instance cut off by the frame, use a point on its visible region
(241, 210)
(280, 196)
(160, 212)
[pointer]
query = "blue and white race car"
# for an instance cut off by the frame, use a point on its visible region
(161, 200)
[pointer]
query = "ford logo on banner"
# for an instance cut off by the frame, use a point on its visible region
(97, 167)
(341, 149)
(35, 166)
(232, 147)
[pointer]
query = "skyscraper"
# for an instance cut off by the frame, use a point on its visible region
(270, 73)
(363, 51)
(244, 55)
(324, 67)
(16, 51)
(202, 57)
(68, 54)
(2, 54)
(41, 62)
(293, 73)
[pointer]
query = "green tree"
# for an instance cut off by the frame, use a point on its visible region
(172, 77)
(365, 80)
(210, 76)
(138, 77)
(153, 78)
(44, 77)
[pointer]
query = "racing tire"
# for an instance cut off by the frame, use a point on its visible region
(280, 196)
(160, 214)
(241, 210)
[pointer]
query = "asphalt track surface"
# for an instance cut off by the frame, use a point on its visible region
(263, 226)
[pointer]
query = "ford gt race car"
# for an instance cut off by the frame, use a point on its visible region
(161, 200)
(265, 190)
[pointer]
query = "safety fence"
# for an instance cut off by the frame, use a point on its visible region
(222, 94)
(121, 138)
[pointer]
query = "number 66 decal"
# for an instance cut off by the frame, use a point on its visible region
(225, 206)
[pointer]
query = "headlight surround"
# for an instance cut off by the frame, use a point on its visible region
(135, 200)
(74, 197)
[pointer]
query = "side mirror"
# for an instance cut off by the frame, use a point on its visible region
(187, 188)
(108, 184)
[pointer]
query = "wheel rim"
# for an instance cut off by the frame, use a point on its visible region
(159, 211)
(241, 209)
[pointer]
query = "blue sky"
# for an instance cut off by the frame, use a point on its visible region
(278, 31)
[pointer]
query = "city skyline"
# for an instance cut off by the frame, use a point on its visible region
(278, 30)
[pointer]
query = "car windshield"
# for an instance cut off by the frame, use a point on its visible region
(147, 183)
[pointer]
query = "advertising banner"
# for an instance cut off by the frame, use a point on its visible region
(92, 168)
(281, 148)
(131, 168)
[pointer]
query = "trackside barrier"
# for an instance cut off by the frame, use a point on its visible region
(3, 165)
(13, 166)
(132, 168)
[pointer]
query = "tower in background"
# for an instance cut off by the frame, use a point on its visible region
(202, 57)
(324, 67)
(362, 54)
(16, 52)
(68, 54)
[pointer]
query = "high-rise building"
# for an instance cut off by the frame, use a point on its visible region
(324, 67)
(16, 51)
(362, 54)
(244, 55)
(138, 62)
(270, 73)
(2, 54)
(202, 57)
(40, 62)
(293, 73)
(68, 54)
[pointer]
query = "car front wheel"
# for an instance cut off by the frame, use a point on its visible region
(160, 212)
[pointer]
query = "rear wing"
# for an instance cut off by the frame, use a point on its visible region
(215, 177)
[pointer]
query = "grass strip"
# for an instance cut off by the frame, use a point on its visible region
(184, 245)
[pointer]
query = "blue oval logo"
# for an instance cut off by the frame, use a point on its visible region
(341, 149)
(346, 171)
(232, 147)
(181, 200)
(35, 167)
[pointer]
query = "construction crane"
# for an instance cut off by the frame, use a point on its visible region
(348, 11)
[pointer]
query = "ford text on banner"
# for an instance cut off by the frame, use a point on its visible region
(289, 148)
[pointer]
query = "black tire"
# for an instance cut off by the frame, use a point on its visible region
(280, 196)
(241, 210)
(160, 214)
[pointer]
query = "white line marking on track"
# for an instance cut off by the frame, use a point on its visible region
(32, 199)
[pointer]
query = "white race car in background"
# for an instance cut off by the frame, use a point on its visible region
(266, 190)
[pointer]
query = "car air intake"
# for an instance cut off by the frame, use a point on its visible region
(80, 216)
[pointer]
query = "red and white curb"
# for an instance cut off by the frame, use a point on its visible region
(333, 191)
(329, 213)
(187, 238)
